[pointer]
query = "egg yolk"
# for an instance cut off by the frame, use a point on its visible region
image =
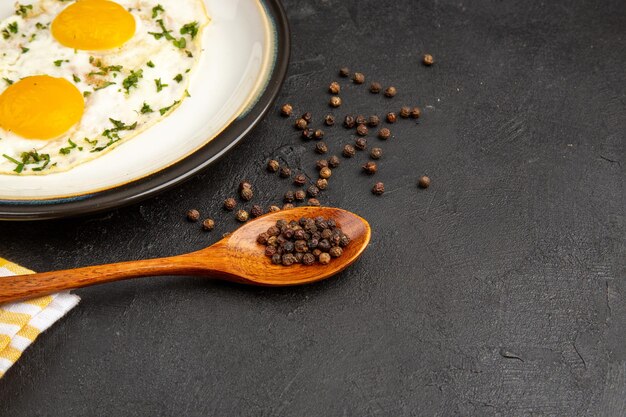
(40, 107)
(93, 25)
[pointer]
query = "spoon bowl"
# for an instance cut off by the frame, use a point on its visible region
(236, 258)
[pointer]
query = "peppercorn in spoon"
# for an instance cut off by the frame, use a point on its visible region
(236, 258)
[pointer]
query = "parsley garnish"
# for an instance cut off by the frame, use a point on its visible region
(150, 64)
(156, 10)
(178, 78)
(8, 81)
(132, 80)
(146, 109)
(24, 50)
(19, 165)
(22, 9)
(191, 29)
(75, 77)
(166, 109)
(103, 86)
(160, 85)
(67, 150)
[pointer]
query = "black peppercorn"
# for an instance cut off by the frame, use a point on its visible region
(288, 206)
(321, 148)
(314, 202)
(335, 252)
(322, 163)
(361, 130)
(405, 112)
(358, 78)
(373, 121)
(289, 197)
(288, 247)
(370, 168)
(307, 117)
(286, 110)
(324, 258)
(344, 72)
(324, 245)
(391, 117)
(376, 153)
(262, 238)
(299, 234)
(277, 259)
(273, 231)
(360, 120)
(242, 216)
(334, 88)
(316, 252)
(246, 194)
(325, 173)
(288, 259)
(333, 161)
(360, 143)
(299, 179)
(307, 134)
(193, 215)
(301, 124)
(256, 211)
(299, 195)
(384, 133)
(318, 134)
(349, 151)
(390, 92)
(329, 120)
(273, 209)
(208, 224)
(230, 204)
(312, 191)
(284, 172)
(326, 233)
(321, 183)
(428, 60)
(379, 188)
(299, 256)
(273, 165)
(270, 251)
(349, 122)
(335, 101)
(312, 243)
(424, 181)
(416, 112)
(375, 88)
(308, 259)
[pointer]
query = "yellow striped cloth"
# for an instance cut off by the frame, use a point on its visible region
(21, 323)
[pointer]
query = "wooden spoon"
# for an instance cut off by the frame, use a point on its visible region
(236, 258)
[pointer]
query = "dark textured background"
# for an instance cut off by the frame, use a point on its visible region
(500, 291)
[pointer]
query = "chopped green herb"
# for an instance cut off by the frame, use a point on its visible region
(191, 29)
(19, 165)
(67, 150)
(146, 109)
(86, 93)
(156, 10)
(160, 85)
(132, 80)
(178, 78)
(180, 43)
(76, 79)
(41, 26)
(22, 9)
(150, 64)
(91, 142)
(164, 32)
(168, 108)
(8, 81)
(103, 86)
(24, 50)
(59, 62)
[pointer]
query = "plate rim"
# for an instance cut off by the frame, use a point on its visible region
(183, 170)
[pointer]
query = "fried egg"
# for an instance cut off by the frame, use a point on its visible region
(78, 78)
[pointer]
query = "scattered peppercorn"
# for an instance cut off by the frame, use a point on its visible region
(329, 120)
(424, 181)
(349, 122)
(370, 168)
(344, 72)
(373, 121)
(286, 110)
(416, 112)
(362, 130)
(242, 216)
(284, 172)
(301, 124)
(273, 165)
(208, 224)
(324, 258)
(405, 112)
(375, 88)
(322, 163)
(428, 60)
(376, 153)
(349, 151)
(299, 179)
(384, 133)
(379, 188)
(307, 117)
(299, 195)
(391, 117)
(256, 211)
(314, 202)
(321, 183)
(312, 191)
(230, 204)
(358, 78)
(246, 194)
(360, 144)
(360, 120)
(289, 197)
(273, 209)
(193, 215)
(334, 88)
(391, 91)
(335, 101)
(325, 173)
(288, 206)
(333, 161)
(321, 148)
(318, 134)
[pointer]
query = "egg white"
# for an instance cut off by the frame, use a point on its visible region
(108, 107)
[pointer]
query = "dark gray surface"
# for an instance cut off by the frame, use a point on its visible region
(497, 292)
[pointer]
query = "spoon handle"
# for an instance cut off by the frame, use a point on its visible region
(19, 287)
